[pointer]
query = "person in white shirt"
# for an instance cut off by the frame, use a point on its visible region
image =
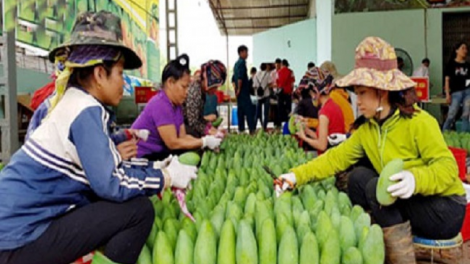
(423, 70)
(262, 82)
(274, 75)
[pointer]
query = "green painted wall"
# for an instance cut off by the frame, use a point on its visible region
(434, 47)
(417, 31)
(272, 44)
(28, 80)
(405, 29)
(402, 29)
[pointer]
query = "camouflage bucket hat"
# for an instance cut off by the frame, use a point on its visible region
(101, 28)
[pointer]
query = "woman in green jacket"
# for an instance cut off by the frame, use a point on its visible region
(431, 201)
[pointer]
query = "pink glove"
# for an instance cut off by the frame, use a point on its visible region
(208, 128)
(220, 134)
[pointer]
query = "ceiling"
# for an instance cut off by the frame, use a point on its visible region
(247, 17)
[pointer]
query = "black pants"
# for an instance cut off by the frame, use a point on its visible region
(163, 155)
(284, 107)
(263, 116)
(245, 108)
(431, 217)
(193, 132)
(122, 228)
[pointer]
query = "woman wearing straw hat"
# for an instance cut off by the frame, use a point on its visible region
(431, 201)
(163, 116)
(339, 95)
(213, 75)
(66, 192)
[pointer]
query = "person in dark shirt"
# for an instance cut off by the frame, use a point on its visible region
(245, 108)
(457, 83)
(401, 63)
(306, 108)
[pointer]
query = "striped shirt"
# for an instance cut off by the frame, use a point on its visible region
(67, 162)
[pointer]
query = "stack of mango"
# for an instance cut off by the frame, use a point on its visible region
(239, 219)
(457, 140)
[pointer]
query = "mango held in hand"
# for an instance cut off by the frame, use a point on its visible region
(217, 122)
(189, 158)
(292, 126)
(383, 196)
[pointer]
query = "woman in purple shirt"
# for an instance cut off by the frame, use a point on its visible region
(163, 116)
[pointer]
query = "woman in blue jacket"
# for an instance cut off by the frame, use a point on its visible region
(67, 192)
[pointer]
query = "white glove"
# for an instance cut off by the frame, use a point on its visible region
(405, 187)
(284, 182)
(211, 142)
(142, 134)
(336, 139)
(180, 175)
(158, 165)
(467, 190)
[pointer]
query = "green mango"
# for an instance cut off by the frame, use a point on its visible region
(383, 196)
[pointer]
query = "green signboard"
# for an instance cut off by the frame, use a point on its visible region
(43, 24)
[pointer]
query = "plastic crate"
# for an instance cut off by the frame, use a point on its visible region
(461, 158)
(466, 225)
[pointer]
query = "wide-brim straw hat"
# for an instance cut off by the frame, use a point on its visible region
(376, 67)
(100, 28)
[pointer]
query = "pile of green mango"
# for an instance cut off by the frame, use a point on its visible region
(457, 140)
(239, 219)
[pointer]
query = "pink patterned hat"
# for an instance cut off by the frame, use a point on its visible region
(376, 67)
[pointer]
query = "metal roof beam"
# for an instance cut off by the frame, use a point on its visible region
(266, 17)
(218, 14)
(255, 27)
(262, 7)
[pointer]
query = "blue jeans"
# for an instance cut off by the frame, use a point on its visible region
(459, 98)
(263, 117)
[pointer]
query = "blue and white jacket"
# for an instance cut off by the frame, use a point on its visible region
(66, 161)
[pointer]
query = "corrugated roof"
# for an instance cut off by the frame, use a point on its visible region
(247, 17)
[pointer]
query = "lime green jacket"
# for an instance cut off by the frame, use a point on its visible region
(418, 141)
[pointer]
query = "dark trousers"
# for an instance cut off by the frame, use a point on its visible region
(163, 155)
(431, 217)
(122, 228)
(284, 107)
(263, 116)
(246, 109)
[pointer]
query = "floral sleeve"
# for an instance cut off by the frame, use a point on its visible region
(193, 110)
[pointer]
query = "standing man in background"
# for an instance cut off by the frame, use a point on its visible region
(285, 82)
(242, 91)
(423, 70)
(278, 64)
(274, 75)
(310, 66)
